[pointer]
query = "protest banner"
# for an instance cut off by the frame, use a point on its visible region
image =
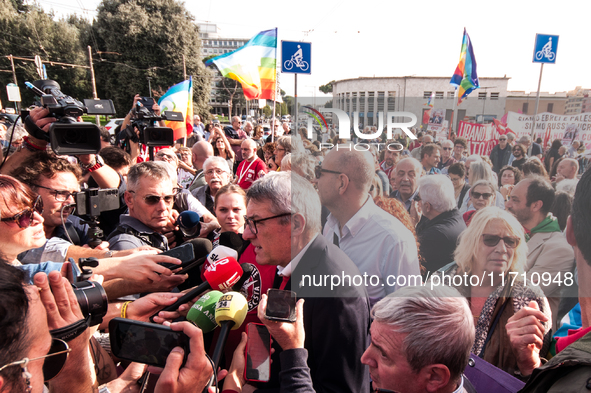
(481, 137)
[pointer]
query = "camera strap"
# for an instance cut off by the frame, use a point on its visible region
(35, 131)
(70, 332)
(152, 239)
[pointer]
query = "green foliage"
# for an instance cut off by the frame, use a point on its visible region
(326, 88)
(32, 32)
(151, 37)
(267, 111)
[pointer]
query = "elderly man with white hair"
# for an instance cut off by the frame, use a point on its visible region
(441, 223)
(217, 174)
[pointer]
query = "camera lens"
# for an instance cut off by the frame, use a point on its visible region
(92, 299)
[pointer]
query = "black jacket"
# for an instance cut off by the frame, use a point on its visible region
(438, 238)
(494, 157)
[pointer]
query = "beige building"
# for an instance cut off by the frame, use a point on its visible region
(578, 101)
(370, 95)
(522, 102)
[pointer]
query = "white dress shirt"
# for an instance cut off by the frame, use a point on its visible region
(380, 245)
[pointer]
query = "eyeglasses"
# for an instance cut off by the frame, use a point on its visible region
(59, 195)
(216, 170)
(24, 219)
(448, 148)
(155, 199)
(252, 224)
(59, 351)
(165, 156)
(318, 171)
(478, 195)
(493, 240)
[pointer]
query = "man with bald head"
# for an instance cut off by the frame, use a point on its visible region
(416, 153)
(252, 167)
(235, 135)
(202, 150)
(378, 243)
(567, 169)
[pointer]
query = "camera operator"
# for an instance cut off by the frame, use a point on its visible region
(129, 137)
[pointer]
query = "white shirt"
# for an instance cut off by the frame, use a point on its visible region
(380, 245)
(291, 266)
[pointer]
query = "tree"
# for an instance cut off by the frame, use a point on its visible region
(267, 111)
(27, 31)
(326, 88)
(147, 39)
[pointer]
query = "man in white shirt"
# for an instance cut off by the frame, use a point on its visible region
(377, 242)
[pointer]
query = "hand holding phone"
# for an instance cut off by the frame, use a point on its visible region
(287, 334)
(280, 305)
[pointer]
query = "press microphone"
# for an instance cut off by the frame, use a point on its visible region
(202, 313)
(230, 312)
(220, 275)
(231, 240)
(220, 252)
(189, 223)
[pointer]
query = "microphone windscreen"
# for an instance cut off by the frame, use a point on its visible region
(221, 252)
(247, 269)
(202, 313)
(232, 240)
(223, 273)
(189, 223)
(232, 306)
(201, 247)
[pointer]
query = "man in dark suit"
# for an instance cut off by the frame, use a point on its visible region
(283, 224)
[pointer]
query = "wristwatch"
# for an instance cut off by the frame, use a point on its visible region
(94, 165)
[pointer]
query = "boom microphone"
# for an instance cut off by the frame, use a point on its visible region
(230, 312)
(232, 240)
(202, 313)
(189, 223)
(220, 275)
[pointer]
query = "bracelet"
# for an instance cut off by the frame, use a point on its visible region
(31, 146)
(124, 309)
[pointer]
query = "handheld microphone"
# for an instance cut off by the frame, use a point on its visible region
(202, 313)
(219, 275)
(220, 252)
(232, 240)
(189, 223)
(230, 312)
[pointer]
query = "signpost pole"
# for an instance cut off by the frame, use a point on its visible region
(295, 100)
(533, 127)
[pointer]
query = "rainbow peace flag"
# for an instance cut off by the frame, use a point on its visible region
(253, 65)
(465, 76)
(179, 98)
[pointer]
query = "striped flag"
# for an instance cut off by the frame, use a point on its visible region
(179, 98)
(253, 65)
(465, 77)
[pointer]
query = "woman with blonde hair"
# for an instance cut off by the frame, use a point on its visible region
(489, 271)
(480, 170)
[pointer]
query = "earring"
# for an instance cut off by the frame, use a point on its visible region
(27, 376)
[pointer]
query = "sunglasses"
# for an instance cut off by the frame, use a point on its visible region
(155, 199)
(24, 219)
(493, 240)
(485, 195)
(318, 170)
(59, 352)
(503, 139)
(447, 148)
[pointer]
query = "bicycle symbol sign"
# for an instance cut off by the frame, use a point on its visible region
(295, 57)
(545, 48)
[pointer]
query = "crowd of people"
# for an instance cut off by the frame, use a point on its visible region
(411, 263)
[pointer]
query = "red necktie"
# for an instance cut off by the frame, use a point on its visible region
(284, 282)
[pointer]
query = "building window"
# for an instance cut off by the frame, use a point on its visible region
(439, 95)
(427, 94)
(525, 107)
(380, 101)
(550, 107)
(482, 96)
(494, 96)
(451, 94)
